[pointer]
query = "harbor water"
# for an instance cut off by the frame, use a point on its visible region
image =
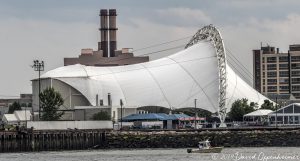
(228, 154)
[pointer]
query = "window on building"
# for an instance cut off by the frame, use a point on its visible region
(296, 88)
(271, 59)
(296, 108)
(257, 59)
(295, 58)
(257, 75)
(283, 80)
(295, 66)
(286, 119)
(264, 74)
(288, 109)
(264, 82)
(272, 74)
(295, 73)
(271, 67)
(284, 88)
(297, 95)
(283, 66)
(283, 59)
(295, 80)
(272, 88)
(280, 111)
(283, 73)
(272, 81)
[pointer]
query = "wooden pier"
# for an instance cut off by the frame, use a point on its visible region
(29, 141)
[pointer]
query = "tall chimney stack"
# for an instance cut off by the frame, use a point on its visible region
(112, 32)
(103, 45)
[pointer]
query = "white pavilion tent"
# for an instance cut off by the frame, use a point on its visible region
(10, 119)
(257, 117)
(17, 117)
(286, 116)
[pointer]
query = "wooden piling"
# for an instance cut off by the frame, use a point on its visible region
(16, 141)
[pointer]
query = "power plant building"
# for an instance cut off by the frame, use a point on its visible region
(107, 53)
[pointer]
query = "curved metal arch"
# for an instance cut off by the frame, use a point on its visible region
(212, 34)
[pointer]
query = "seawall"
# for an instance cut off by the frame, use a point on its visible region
(184, 139)
(51, 140)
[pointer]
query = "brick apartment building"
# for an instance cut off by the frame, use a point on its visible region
(277, 73)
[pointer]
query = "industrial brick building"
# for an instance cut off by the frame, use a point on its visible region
(107, 53)
(277, 73)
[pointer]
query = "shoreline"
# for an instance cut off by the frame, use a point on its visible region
(57, 140)
(289, 137)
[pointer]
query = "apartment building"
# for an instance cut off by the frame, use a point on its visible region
(275, 72)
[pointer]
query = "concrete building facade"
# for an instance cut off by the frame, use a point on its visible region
(275, 72)
(107, 53)
(76, 106)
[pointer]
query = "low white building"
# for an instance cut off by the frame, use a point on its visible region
(18, 117)
(9, 119)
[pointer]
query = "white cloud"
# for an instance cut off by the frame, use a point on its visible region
(24, 40)
(242, 38)
(142, 33)
(185, 16)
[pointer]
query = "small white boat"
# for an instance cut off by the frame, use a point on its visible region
(205, 147)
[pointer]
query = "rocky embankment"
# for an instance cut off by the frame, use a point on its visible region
(183, 139)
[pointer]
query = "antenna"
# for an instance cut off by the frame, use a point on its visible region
(261, 44)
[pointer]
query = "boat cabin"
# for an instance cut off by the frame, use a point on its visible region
(204, 144)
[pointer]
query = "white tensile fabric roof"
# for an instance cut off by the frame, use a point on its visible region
(173, 81)
(9, 118)
(22, 115)
(261, 112)
(17, 116)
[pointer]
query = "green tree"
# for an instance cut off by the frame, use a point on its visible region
(254, 105)
(267, 105)
(24, 105)
(51, 100)
(239, 108)
(13, 107)
(102, 115)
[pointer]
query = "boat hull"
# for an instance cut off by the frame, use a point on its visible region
(210, 150)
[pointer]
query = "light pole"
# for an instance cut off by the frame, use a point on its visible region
(121, 104)
(195, 112)
(276, 113)
(25, 118)
(38, 66)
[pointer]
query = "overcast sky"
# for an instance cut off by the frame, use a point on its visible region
(50, 30)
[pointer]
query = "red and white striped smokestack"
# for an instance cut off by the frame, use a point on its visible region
(103, 45)
(112, 32)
